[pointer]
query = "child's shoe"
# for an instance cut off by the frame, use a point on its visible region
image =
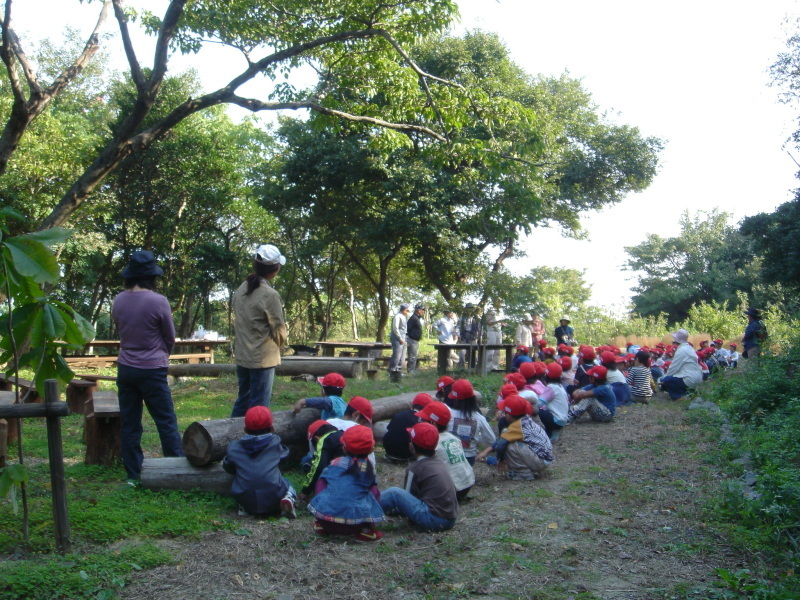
(287, 508)
(319, 529)
(241, 512)
(369, 535)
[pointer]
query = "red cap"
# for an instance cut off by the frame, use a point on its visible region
(659, 351)
(424, 435)
(257, 418)
(667, 363)
(518, 379)
(588, 353)
(422, 400)
(541, 369)
(733, 345)
(608, 357)
(514, 405)
(522, 348)
(554, 370)
(598, 372)
(332, 380)
(717, 341)
(363, 406)
(358, 439)
(314, 427)
(435, 412)
(549, 351)
(508, 389)
(542, 344)
(461, 389)
(527, 370)
(565, 362)
(444, 382)
(569, 350)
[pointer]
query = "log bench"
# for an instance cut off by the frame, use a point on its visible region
(27, 390)
(79, 392)
(101, 429)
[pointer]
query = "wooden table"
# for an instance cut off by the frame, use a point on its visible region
(476, 354)
(194, 351)
(364, 349)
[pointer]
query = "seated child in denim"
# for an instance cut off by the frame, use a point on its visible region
(523, 450)
(257, 484)
(428, 498)
(346, 501)
(597, 398)
(331, 404)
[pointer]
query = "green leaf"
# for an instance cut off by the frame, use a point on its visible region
(56, 322)
(49, 237)
(33, 259)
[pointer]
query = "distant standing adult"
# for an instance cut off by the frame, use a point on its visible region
(260, 329)
(469, 332)
(564, 333)
(754, 334)
(524, 334)
(398, 340)
(147, 335)
(447, 329)
(413, 336)
(537, 331)
(494, 335)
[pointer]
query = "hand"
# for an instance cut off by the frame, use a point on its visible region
(299, 405)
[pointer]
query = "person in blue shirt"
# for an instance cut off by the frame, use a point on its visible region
(754, 335)
(331, 404)
(520, 356)
(597, 398)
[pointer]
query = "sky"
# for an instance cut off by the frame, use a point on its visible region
(693, 73)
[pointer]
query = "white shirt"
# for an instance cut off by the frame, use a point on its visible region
(685, 366)
(447, 330)
(450, 452)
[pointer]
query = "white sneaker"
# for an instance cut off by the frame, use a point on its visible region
(287, 508)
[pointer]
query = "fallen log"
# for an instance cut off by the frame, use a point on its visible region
(290, 365)
(207, 441)
(178, 474)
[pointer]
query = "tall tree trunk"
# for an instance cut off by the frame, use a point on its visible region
(352, 305)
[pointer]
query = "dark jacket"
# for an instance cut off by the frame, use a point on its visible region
(396, 438)
(414, 328)
(328, 448)
(755, 334)
(257, 484)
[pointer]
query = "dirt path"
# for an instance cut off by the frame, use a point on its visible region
(619, 516)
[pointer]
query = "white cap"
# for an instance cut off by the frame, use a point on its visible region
(269, 255)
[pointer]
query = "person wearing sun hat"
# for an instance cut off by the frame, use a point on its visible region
(684, 371)
(428, 497)
(260, 329)
(597, 398)
(523, 335)
(147, 334)
(258, 485)
(564, 333)
(754, 335)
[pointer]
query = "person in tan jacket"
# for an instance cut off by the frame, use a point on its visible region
(260, 329)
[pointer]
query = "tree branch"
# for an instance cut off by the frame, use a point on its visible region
(127, 44)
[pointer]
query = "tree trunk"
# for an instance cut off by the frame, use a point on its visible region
(178, 474)
(207, 441)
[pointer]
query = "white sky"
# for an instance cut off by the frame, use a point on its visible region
(693, 73)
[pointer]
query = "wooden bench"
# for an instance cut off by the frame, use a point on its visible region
(101, 429)
(27, 390)
(79, 392)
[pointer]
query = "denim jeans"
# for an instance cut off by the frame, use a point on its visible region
(137, 388)
(398, 501)
(674, 386)
(255, 388)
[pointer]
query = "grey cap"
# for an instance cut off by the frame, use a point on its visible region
(405, 306)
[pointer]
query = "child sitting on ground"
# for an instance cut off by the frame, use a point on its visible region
(467, 422)
(640, 379)
(443, 387)
(395, 440)
(331, 403)
(523, 451)
(346, 501)
(429, 495)
(554, 413)
(597, 398)
(257, 484)
(449, 450)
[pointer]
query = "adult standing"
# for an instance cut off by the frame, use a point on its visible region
(684, 371)
(398, 339)
(147, 335)
(524, 335)
(469, 332)
(447, 329)
(564, 333)
(260, 329)
(754, 335)
(537, 331)
(494, 335)
(413, 336)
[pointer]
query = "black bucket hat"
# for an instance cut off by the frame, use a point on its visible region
(753, 312)
(142, 264)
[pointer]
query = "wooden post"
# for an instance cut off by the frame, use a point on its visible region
(57, 479)
(3, 442)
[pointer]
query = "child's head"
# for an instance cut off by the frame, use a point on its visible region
(443, 387)
(528, 371)
(587, 355)
(332, 384)
(421, 400)
(515, 407)
(424, 439)
(358, 441)
(521, 349)
(508, 389)
(318, 429)
(598, 375)
(258, 420)
(436, 413)
(462, 397)
(643, 358)
(540, 370)
(517, 379)
(359, 410)
(554, 372)
(565, 362)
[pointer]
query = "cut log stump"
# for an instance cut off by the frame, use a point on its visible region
(180, 474)
(101, 429)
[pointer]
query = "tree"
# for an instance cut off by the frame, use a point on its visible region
(709, 261)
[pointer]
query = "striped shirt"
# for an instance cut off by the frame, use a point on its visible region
(639, 380)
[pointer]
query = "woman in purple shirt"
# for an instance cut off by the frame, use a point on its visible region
(146, 334)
